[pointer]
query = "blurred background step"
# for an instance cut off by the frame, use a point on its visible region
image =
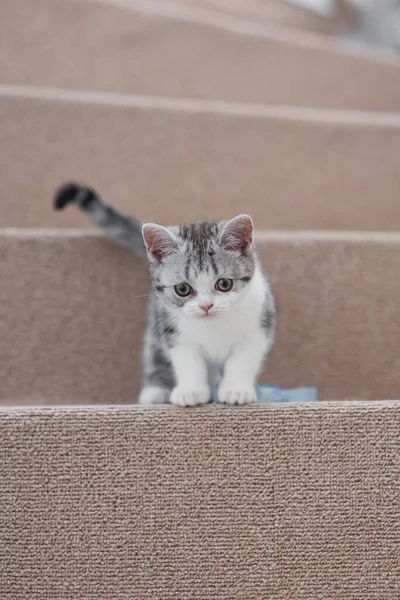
(356, 23)
(172, 161)
(86, 45)
(333, 20)
(71, 322)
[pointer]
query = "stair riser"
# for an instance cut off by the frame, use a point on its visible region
(133, 52)
(175, 165)
(73, 314)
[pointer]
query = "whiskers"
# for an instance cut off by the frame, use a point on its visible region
(233, 309)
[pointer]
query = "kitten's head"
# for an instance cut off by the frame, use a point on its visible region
(202, 269)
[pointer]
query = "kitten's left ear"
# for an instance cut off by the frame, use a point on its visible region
(237, 234)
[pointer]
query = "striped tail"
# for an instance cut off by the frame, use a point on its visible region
(117, 226)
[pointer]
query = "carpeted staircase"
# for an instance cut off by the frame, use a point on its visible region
(176, 117)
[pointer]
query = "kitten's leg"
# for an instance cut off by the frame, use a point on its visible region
(154, 394)
(117, 226)
(241, 370)
(191, 376)
(158, 374)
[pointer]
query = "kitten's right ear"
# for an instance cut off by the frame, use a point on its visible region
(159, 241)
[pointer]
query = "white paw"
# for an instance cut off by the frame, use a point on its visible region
(153, 394)
(236, 394)
(190, 397)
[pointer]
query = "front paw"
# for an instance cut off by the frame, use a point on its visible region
(181, 396)
(154, 394)
(236, 394)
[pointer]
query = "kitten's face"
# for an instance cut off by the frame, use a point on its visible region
(202, 270)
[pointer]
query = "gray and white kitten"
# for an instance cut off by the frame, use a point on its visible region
(211, 315)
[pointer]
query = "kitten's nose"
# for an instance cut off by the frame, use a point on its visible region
(205, 307)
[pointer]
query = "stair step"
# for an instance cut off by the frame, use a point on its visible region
(175, 160)
(72, 321)
(267, 13)
(84, 45)
(256, 502)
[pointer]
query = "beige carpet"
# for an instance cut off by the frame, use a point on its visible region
(257, 503)
(73, 312)
(177, 161)
(84, 45)
(207, 504)
(281, 13)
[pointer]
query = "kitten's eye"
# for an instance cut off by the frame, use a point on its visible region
(224, 285)
(183, 289)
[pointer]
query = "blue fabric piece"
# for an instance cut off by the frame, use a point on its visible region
(273, 393)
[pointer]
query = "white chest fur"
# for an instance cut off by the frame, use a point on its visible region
(217, 336)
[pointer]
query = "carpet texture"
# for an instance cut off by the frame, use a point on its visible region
(253, 503)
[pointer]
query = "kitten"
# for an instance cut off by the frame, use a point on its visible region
(211, 312)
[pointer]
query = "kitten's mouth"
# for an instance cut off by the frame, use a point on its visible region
(207, 315)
